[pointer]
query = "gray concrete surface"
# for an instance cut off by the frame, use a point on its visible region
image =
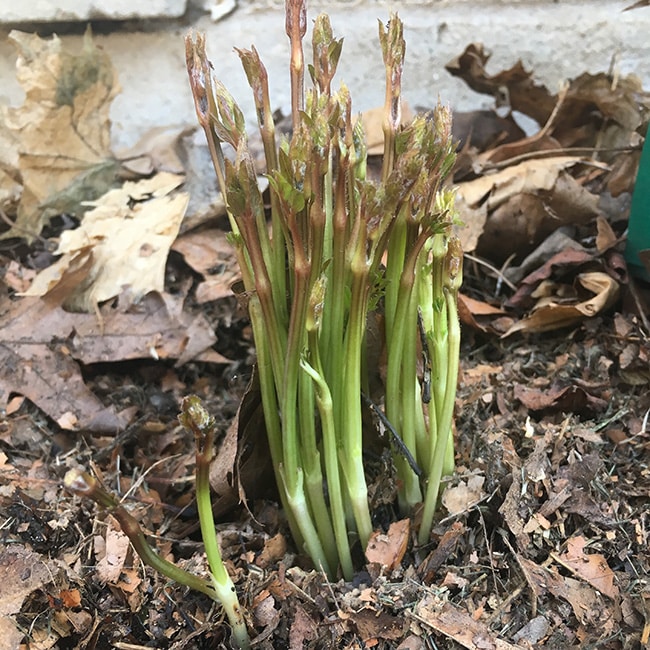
(73, 10)
(558, 40)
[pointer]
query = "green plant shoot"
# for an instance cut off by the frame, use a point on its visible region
(332, 251)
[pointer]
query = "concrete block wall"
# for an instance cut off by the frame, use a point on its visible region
(558, 40)
(45, 11)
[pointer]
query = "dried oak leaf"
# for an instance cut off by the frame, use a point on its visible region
(565, 399)
(525, 95)
(62, 129)
(561, 305)
(483, 130)
(446, 546)
(373, 625)
(482, 316)
(589, 608)
(121, 246)
(40, 345)
(210, 253)
(155, 151)
(303, 628)
(242, 468)
(561, 262)
(457, 624)
(35, 362)
(515, 208)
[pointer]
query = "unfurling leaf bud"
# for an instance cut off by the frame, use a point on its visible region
(316, 302)
(453, 264)
(194, 416)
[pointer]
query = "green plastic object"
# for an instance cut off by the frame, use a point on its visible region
(638, 234)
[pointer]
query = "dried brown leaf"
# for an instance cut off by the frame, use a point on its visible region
(209, 253)
(566, 399)
(590, 567)
(441, 553)
(156, 151)
(21, 572)
(372, 626)
(62, 129)
(557, 263)
(463, 496)
(484, 130)
(40, 345)
(554, 311)
(111, 550)
(529, 176)
(524, 95)
(242, 468)
(482, 316)
(606, 237)
(388, 549)
(121, 246)
(457, 624)
(303, 628)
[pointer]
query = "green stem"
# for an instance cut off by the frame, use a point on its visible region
(350, 417)
(271, 410)
(298, 504)
(221, 580)
(84, 485)
(313, 469)
(292, 470)
(440, 459)
(396, 385)
(335, 299)
(326, 411)
(411, 404)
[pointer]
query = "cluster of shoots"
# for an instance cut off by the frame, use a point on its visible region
(219, 586)
(329, 252)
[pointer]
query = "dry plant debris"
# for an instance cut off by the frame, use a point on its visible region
(543, 542)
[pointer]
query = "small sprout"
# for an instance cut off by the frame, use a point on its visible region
(194, 416)
(79, 482)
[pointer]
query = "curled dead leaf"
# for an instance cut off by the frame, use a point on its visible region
(554, 312)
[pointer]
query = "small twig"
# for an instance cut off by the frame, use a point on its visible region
(567, 151)
(638, 301)
(494, 269)
(399, 443)
(556, 109)
(138, 482)
(426, 372)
